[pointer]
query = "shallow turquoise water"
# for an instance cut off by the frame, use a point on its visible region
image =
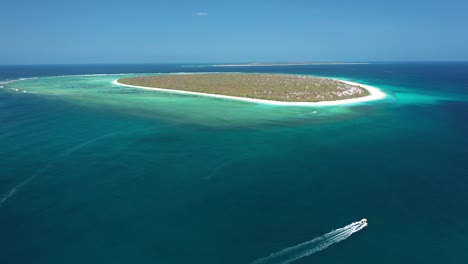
(118, 175)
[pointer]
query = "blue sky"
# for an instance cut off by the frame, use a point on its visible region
(53, 31)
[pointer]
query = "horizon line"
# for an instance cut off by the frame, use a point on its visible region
(233, 63)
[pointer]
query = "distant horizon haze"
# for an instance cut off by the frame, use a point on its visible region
(161, 31)
(235, 63)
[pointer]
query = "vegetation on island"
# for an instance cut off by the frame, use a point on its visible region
(278, 87)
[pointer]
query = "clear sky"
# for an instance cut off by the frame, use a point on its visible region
(157, 31)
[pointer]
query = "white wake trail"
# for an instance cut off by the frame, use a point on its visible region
(305, 249)
(51, 163)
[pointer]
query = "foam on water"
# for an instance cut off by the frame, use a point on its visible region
(16, 80)
(305, 249)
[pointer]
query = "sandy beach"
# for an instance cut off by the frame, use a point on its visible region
(375, 94)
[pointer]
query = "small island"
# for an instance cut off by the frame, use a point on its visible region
(270, 64)
(263, 88)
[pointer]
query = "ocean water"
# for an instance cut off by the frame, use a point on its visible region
(91, 172)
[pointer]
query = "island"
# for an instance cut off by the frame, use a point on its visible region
(261, 88)
(271, 64)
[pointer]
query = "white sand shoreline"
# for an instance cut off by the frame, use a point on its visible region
(375, 94)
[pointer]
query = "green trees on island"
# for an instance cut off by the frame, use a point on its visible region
(278, 87)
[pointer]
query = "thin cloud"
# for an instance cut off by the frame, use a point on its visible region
(200, 14)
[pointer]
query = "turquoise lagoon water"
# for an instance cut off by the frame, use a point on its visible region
(97, 173)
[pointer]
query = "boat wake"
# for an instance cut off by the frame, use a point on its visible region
(50, 164)
(305, 249)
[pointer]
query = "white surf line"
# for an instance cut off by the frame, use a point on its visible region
(305, 249)
(67, 152)
(16, 80)
(375, 94)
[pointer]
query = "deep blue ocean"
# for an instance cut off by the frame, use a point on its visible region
(92, 172)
